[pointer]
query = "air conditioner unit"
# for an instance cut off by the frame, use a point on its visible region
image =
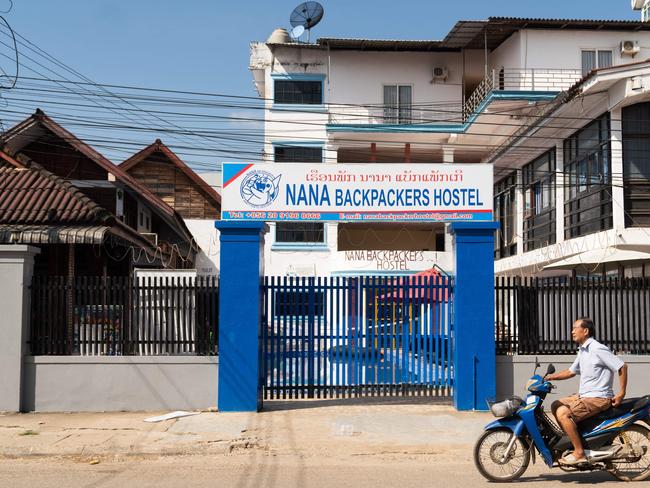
(151, 237)
(629, 48)
(440, 73)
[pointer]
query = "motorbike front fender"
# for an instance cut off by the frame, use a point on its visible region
(515, 424)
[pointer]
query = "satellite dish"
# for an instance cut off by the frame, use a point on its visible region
(297, 31)
(307, 15)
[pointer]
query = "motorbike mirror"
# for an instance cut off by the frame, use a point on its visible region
(550, 369)
(537, 365)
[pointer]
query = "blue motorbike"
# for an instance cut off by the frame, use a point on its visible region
(617, 440)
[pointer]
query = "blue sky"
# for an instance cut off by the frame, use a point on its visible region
(204, 45)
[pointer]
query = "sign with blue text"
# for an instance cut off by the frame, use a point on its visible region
(356, 192)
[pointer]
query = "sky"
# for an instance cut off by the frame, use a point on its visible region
(199, 45)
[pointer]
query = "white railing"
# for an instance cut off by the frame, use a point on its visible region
(511, 79)
(505, 79)
(433, 113)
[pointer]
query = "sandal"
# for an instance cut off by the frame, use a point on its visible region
(571, 460)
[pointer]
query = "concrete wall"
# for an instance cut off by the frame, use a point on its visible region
(514, 371)
(553, 49)
(207, 237)
(544, 49)
(359, 78)
(74, 383)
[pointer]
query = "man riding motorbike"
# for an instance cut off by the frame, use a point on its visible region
(596, 365)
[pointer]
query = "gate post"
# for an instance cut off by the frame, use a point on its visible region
(16, 269)
(474, 342)
(240, 315)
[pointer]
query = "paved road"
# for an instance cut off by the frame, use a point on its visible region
(263, 470)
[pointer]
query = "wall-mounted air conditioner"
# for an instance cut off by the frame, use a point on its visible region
(440, 73)
(629, 48)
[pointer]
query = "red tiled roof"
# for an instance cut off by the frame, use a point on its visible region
(36, 196)
(39, 117)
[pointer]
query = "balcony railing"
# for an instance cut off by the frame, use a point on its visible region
(510, 79)
(506, 79)
(430, 113)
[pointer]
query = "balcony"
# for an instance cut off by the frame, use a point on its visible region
(506, 83)
(379, 114)
(513, 80)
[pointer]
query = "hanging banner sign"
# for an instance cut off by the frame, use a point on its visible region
(356, 192)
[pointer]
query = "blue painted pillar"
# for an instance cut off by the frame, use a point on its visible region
(474, 344)
(240, 314)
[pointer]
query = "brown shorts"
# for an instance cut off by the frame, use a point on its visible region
(582, 408)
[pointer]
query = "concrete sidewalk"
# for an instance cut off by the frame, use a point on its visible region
(302, 428)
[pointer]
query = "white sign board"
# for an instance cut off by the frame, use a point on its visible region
(356, 192)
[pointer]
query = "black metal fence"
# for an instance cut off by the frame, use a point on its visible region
(120, 316)
(535, 315)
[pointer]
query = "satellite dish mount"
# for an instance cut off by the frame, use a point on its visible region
(305, 15)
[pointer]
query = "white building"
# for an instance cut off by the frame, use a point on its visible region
(541, 100)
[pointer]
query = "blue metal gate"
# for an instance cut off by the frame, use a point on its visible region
(332, 337)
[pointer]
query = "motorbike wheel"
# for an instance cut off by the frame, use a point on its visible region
(634, 468)
(489, 450)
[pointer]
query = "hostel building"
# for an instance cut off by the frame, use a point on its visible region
(560, 108)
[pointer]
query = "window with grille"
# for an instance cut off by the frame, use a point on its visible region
(636, 164)
(539, 201)
(292, 154)
(299, 232)
(308, 92)
(587, 180)
(298, 303)
(505, 243)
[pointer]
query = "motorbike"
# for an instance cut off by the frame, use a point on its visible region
(616, 440)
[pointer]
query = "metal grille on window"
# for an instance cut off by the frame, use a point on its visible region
(588, 197)
(539, 191)
(299, 92)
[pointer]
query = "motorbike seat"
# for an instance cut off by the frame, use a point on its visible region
(627, 406)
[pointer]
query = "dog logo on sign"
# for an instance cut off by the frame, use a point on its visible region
(260, 188)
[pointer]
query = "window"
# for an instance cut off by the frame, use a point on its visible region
(299, 232)
(539, 202)
(636, 164)
(299, 304)
(292, 154)
(587, 168)
(593, 59)
(397, 104)
(504, 213)
(309, 92)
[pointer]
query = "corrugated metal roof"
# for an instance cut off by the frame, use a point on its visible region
(383, 44)
(35, 196)
(52, 234)
(473, 34)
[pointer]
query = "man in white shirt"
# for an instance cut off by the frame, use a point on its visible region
(597, 366)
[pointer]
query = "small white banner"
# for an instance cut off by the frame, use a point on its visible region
(356, 192)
